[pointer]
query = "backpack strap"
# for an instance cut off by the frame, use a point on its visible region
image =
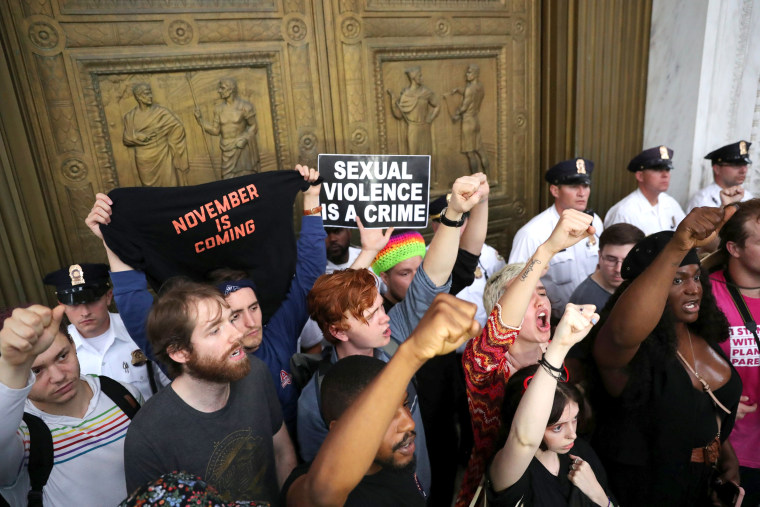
(119, 395)
(40, 457)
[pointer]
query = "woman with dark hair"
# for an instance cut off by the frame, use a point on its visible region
(515, 336)
(535, 466)
(666, 395)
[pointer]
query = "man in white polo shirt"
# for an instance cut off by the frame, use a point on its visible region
(103, 344)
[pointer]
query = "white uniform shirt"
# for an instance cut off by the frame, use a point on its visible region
(635, 209)
(116, 361)
(710, 196)
(88, 453)
(568, 268)
(490, 262)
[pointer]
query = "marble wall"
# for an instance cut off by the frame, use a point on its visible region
(703, 85)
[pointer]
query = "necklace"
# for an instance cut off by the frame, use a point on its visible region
(705, 385)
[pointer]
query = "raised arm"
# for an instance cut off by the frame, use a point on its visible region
(474, 234)
(288, 321)
(535, 407)
(373, 240)
(466, 192)
(130, 291)
(573, 226)
(354, 439)
(639, 308)
(25, 334)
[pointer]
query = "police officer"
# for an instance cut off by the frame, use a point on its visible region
(570, 185)
(729, 164)
(103, 344)
(648, 207)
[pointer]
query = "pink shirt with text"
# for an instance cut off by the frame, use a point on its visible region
(742, 350)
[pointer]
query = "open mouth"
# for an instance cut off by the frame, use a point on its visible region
(691, 306)
(542, 320)
(237, 354)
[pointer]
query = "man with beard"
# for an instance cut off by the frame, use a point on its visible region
(220, 418)
(273, 343)
(340, 254)
(367, 458)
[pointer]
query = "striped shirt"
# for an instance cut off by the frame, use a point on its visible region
(88, 453)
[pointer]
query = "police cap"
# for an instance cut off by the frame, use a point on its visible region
(731, 154)
(659, 157)
(570, 172)
(79, 283)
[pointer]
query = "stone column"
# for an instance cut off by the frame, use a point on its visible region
(703, 86)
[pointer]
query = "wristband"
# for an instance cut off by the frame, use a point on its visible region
(313, 211)
(451, 223)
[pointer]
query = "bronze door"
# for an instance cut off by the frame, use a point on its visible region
(154, 92)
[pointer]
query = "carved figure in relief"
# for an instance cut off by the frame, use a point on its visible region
(467, 113)
(418, 106)
(158, 139)
(235, 122)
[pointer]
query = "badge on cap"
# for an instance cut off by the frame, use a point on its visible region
(742, 148)
(664, 153)
(581, 165)
(76, 274)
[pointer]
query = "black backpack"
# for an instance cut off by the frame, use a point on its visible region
(41, 441)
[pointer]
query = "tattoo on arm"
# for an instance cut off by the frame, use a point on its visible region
(528, 269)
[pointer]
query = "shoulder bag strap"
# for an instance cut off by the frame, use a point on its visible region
(741, 306)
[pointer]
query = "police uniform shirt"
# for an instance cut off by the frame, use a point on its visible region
(710, 196)
(489, 263)
(568, 268)
(636, 210)
(116, 359)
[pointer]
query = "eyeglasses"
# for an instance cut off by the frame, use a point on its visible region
(611, 260)
(564, 377)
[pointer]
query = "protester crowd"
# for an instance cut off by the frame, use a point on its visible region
(610, 361)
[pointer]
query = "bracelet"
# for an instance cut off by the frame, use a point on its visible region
(451, 223)
(560, 375)
(556, 376)
(313, 211)
(544, 361)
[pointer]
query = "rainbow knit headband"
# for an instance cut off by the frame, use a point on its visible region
(400, 247)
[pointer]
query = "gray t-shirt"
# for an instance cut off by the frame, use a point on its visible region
(590, 292)
(230, 449)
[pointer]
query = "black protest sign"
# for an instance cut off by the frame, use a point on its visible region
(242, 223)
(382, 190)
